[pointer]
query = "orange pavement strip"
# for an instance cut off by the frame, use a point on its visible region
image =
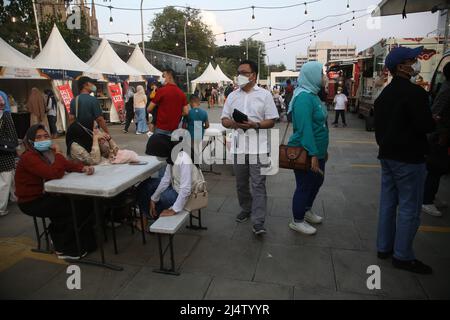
(13, 250)
(434, 229)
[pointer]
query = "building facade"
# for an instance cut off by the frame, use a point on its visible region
(300, 60)
(60, 9)
(325, 51)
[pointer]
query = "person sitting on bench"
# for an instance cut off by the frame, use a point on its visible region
(167, 196)
(43, 161)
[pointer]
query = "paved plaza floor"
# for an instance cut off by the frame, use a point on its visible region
(228, 262)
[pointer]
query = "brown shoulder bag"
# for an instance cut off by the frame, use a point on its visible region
(294, 158)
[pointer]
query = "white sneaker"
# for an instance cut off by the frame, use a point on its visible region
(4, 213)
(431, 210)
(313, 218)
(303, 227)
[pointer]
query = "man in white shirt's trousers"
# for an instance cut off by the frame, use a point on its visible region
(250, 147)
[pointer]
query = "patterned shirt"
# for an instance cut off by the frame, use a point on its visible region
(7, 133)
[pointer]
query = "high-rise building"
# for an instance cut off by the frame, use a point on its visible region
(300, 60)
(325, 51)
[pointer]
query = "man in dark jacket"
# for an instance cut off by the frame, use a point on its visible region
(402, 121)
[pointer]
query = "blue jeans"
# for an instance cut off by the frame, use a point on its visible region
(308, 186)
(145, 191)
(141, 121)
(402, 186)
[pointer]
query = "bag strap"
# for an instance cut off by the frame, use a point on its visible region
(285, 133)
(76, 107)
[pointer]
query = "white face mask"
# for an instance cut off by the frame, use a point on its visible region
(417, 67)
(163, 81)
(242, 81)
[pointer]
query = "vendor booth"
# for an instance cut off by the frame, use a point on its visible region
(61, 66)
(139, 62)
(17, 76)
(208, 78)
(116, 71)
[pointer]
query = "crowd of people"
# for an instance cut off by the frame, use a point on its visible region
(412, 138)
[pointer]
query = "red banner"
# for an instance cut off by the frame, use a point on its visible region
(116, 97)
(66, 95)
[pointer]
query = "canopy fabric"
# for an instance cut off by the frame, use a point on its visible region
(222, 75)
(209, 76)
(107, 61)
(140, 63)
(56, 55)
(394, 7)
(15, 65)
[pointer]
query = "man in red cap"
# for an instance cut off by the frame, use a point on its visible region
(402, 121)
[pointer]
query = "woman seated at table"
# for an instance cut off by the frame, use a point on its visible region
(91, 148)
(41, 162)
(169, 195)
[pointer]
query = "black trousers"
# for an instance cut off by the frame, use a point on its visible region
(129, 118)
(431, 187)
(61, 228)
(342, 114)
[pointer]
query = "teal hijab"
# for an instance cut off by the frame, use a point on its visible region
(309, 80)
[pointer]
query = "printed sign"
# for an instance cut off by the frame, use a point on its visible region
(66, 95)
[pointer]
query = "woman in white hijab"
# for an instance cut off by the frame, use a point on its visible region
(140, 101)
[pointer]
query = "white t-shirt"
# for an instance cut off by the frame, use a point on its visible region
(340, 102)
(258, 105)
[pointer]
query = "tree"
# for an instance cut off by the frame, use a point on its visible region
(17, 25)
(19, 30)
(168, 34)
(277, 67)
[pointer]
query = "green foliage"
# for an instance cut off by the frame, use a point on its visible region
(277, 67)
(22, 34)
(168, 31)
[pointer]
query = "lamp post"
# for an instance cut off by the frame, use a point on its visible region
(259, 62)
(142, 28)
(186, 24)
(37, 25)
(249, 39)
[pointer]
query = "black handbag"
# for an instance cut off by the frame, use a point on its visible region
(239, 117)
(7, 145)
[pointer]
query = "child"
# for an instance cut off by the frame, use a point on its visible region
(197, 120)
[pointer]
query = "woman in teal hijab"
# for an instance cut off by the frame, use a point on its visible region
(310, 132)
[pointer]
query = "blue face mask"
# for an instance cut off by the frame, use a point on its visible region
(43, 146)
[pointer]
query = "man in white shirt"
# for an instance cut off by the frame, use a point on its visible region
(340, 106)
(262, 113)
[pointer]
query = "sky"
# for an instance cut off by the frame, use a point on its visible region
(365, 33)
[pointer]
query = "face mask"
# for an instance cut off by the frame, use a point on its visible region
(417, 67)
(43, 146)
(94, 88)
(163, 81)
(242, 81)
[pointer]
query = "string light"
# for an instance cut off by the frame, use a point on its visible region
(128, 40)
(78, 40)
(312, 24)
(340, 27)
(253, 12)
(353, 23)
(348, 4)
(225, 37)
(13, 19)
(306, 9)
(111, 20)
(270, 31)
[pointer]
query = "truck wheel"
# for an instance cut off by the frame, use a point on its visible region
(370, 124)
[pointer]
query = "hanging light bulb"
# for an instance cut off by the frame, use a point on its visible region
(13, 19)
(284, 44)
(348, 4)
(177, 44)
(128, 38)
(78, 40)
(270, 31)
(225, 37)
(111, 20)
(278, 43)
(353, 24)
(253, 12)
(340, 27)
(306, 9)
(312, 24)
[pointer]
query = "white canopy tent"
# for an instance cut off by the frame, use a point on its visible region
(140, 63)
(107, 61)
(209, 76)
(222, 75)
(15, 65)
(57, 55)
